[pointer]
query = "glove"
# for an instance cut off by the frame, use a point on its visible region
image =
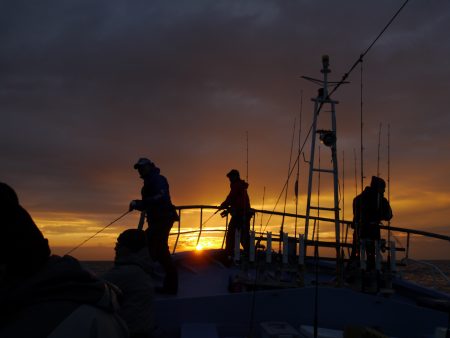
(133, 205)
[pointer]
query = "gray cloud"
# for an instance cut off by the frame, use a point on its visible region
(87, 87)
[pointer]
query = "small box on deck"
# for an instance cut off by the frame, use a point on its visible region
(278, 330)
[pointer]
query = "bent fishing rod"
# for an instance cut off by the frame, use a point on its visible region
(106, 226)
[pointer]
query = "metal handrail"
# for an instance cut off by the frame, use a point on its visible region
(201, 228)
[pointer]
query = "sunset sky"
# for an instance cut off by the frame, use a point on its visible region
(88, 87)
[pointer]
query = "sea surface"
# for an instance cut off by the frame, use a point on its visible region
(429, 273)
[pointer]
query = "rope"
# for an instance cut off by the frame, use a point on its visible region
(82, 243)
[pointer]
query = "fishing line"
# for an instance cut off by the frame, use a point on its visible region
(82, 243)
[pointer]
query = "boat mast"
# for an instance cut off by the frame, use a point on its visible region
(328, 138)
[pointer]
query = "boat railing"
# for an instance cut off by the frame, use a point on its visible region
(195, 232)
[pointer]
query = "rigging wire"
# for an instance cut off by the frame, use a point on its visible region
(379, 145)
(389, 187)
(335, 88)
(106, 226)
(262, 208)
(298, 162)
(287, 181)
(361, 129)
(246, 132)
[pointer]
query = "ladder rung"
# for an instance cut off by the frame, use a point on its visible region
(324, 170)
(323, 208)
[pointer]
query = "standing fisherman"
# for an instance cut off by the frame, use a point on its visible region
(369, 209)
(238, 204)
(161, 214)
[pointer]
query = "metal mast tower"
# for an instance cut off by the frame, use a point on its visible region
(327, 135)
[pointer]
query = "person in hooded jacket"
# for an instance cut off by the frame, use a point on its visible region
(43, 295)
(161, 214)
(132, 274)
(237, 203)
(369, 209)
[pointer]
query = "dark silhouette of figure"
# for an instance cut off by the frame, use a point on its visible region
(43, 295)
(132, 274)
(237, 204)
(369, 209)
(161, 214)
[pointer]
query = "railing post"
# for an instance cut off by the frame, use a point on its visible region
(393, 258)
(178, 232)
(201, 226)
(252, 246)
(301, 252)
(226, 231)
(285, 248)
(269, 248)
(407, 245)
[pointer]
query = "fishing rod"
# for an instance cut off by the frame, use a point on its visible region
(287, 182)
(106, 226)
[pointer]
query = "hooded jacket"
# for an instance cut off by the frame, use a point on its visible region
(369, 209)
(132, 274)
(60, 300)
(237, 200)
(156, 199)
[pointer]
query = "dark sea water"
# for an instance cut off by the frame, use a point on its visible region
(426, 273)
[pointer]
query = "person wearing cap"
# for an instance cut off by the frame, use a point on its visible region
(132, 274)
(44, 295)
(161, 214)
(237, 203)
(369, 209)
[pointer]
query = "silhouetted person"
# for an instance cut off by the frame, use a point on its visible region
(43, 295)
(237, 204)
(369, 209)
(161, 214)
(132, 274)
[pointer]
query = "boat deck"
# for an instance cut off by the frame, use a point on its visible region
(204, 299)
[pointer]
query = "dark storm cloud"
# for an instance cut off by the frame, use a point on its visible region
(87, 87)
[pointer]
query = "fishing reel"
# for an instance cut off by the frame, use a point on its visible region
(224, 213)
(327, 137)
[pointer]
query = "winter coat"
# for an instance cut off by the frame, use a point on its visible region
(237, 200)
(132, 274)
(156, 199)
(61, 300)
(369, 209)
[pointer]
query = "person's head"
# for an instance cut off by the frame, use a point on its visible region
(8, 197)
(23, 248)
(378, 184)
(233, 175)
(131, 241)
(144, 166)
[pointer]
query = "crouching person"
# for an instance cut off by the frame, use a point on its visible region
(43, 295)
(131, 273)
